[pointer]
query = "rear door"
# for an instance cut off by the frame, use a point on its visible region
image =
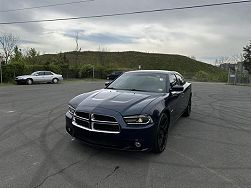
(48, 76)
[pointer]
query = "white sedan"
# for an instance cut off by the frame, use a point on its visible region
(39, 77)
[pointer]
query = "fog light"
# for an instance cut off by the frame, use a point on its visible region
(137, 144)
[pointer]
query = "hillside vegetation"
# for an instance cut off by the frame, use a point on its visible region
(80, 64)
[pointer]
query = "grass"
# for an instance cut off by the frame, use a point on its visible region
(248, 85)
(6, 84)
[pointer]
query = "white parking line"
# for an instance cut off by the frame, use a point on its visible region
(8, 111)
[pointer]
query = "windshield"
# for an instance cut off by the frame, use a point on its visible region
(146, 82)
(34, 73)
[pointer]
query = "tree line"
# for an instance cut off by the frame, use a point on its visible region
(25, 63)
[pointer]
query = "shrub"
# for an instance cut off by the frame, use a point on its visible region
(202, 76)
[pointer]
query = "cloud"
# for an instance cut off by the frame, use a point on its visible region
(27, 42)
(205, 33)
(102, 38)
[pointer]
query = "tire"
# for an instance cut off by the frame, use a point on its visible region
(161, 135)
(29, 81)
(187, 112)
(54, 80)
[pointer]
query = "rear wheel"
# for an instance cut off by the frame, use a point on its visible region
(161, 135)
(54, 80)
(187, 112)
(29, 81)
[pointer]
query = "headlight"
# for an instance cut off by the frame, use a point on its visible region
(71, 110)
(140, 119)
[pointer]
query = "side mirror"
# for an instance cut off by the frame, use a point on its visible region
(107, 84)
(177, 88)
(36, 74)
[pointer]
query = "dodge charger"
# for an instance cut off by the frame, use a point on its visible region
(133, 112)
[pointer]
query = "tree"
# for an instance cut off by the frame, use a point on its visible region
(77, 49)
(31, 56)
(77, 44)
(32, 52)
(17, 55)
(102, 54)
(247, 57)
(8, 42)
(193, 57)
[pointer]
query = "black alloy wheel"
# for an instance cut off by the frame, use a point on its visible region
(161, 134)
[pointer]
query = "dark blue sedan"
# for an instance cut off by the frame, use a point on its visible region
(134, 112)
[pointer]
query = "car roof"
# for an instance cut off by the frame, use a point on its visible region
(42, 71)
(154, 71)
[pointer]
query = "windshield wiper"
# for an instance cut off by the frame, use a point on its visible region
(110, 88)
(126, 89)
(113, 88)
(137, 90)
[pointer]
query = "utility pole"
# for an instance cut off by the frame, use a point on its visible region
(235, 77)
(228, 78)
(1, 72)
(93, 73)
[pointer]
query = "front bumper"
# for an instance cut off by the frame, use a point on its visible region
(127, 139)
(20, 80)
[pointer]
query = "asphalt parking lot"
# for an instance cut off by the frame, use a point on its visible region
(211, 148)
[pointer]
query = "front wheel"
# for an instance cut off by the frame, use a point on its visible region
(54, 80)
(161, 135)
(29, 81)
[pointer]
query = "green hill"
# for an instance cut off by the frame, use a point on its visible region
(110, 61)
(80, 65)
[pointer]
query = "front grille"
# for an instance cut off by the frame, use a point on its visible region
(83, 115)
(82, 123)
(96, 122)
(103, 118)
(106, 127)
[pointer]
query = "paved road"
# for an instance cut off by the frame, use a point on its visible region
(211, 148)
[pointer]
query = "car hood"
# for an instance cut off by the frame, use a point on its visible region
(124, 102)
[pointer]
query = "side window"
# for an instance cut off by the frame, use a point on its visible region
(172, 79)
(48, 73)
(40, 73)
(180, 79)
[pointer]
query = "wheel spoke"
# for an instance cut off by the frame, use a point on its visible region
(163, 132)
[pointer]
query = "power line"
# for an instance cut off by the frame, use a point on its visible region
(125, 13)
(45, 6)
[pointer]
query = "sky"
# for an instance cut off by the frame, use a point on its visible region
(205, 33)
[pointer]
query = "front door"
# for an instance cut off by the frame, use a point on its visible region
(39, 77)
